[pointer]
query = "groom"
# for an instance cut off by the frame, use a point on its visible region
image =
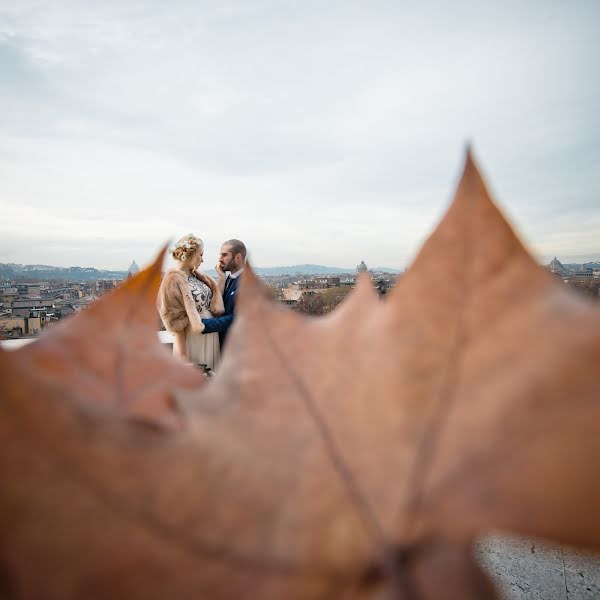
(232, 259)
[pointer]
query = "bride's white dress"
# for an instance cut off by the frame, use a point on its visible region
(202, 348)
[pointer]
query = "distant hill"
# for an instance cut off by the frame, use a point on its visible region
(315, 270)
(46, 273)
(385, 270)
(302, 270)
(308, 270)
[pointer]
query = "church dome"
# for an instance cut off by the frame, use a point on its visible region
(133, 268)
(555, 263)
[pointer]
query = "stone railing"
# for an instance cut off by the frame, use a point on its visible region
(165, 337)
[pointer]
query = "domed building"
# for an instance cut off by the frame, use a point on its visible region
(362, 267)
(133, 269)
(555, 266)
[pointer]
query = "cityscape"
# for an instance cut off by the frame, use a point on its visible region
(30, 303)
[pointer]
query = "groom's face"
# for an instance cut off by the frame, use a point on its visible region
(226, 258)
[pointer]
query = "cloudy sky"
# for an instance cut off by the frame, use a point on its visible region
(325, 132)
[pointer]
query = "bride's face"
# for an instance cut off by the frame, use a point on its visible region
(198, 258)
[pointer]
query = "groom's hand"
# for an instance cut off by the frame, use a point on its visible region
(219, 270)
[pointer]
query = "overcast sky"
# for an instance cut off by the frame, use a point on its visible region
(316, 131)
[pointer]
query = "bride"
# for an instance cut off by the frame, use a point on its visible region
(186, 296)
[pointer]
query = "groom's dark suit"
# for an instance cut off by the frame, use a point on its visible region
(221, 324)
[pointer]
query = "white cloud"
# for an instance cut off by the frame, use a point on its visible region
(317, 132)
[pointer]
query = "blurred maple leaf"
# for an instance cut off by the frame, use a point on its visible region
(352, 456)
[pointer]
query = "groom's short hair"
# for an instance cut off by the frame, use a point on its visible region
(237, 247)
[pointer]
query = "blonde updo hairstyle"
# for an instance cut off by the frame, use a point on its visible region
(186, 247)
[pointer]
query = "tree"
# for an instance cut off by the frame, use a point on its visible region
(311, 303)
(588, 287)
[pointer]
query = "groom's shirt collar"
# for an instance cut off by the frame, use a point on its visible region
(236, 274)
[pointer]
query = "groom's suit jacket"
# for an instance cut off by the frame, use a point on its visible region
(221, 324)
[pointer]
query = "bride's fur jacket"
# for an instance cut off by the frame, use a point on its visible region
(176, 304)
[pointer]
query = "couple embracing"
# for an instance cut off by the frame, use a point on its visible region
(197, 309)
